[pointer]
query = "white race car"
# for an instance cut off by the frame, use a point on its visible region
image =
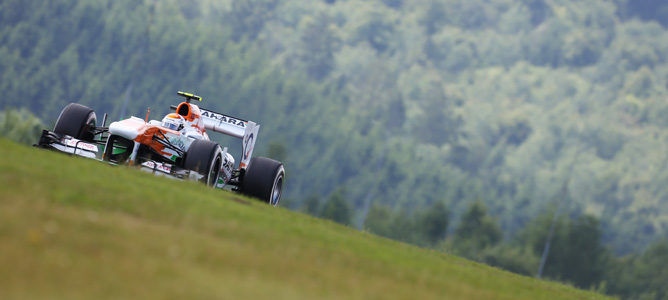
(177, 146)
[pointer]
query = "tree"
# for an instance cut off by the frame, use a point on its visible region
(247, 17)
(337, 209)
(277, 151)
(432, 223)
(379, 220)
(585, 259)
(438, 122)
(434, 17)
(319, 43)
(546, 43)
(20, 126)
(376, 30)
(476, 231)
(576, 253)
(312, 205)
(641, 276)
(646, 9)
(510, 257)
(540, 10)
(394, 3)
(402, 228)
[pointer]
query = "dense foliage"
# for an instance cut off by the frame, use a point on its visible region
(576, 254)
(20, 126)
(390, 107)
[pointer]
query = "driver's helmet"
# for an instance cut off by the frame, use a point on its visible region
(173, 121)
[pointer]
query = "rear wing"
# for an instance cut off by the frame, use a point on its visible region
(245, 130)
(238, 128)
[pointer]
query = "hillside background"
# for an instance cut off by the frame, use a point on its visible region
(518, 107)
(80, 235)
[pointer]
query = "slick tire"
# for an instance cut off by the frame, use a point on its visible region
(204, 157)
(77, 121)
(264, 180)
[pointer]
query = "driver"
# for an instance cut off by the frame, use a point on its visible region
(173, 121)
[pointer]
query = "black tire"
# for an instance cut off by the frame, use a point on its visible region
(204, 157)
(77, 121)
(264, 180)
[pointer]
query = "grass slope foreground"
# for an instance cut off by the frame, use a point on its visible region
(72, 228)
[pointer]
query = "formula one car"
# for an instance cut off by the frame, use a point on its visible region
(178, 147)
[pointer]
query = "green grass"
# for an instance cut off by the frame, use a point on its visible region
(72, 228)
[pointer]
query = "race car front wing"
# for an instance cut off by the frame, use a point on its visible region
(68, 144)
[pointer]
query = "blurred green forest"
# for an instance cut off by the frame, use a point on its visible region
(392, 106)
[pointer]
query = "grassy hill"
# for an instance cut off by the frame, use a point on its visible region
(72, 228)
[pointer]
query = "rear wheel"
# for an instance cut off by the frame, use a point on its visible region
(264, 180)
(204, 157)
(77, 121)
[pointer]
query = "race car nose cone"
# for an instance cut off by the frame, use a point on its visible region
(128, 128)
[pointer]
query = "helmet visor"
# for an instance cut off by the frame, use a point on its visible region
(172, 126)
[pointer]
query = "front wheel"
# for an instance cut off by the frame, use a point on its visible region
(264, 180)
(77, 121)
(204, 157)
